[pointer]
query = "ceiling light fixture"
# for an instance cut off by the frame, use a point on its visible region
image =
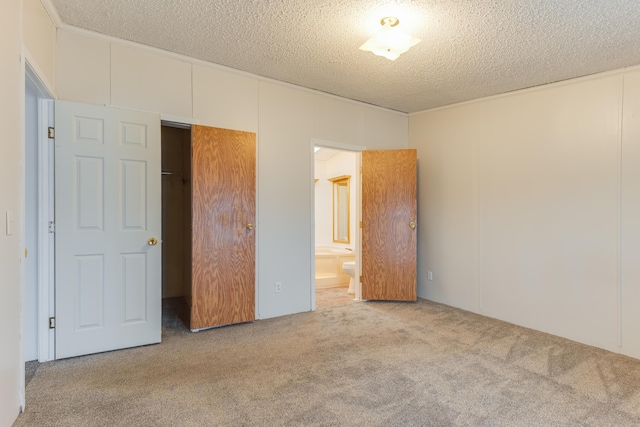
(389, 41)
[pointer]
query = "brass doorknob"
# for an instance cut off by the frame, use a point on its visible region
(152, 241)
(412, 225)
(249, 226)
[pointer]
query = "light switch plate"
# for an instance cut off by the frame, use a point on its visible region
(9, 223)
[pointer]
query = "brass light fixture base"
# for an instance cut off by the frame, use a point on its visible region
(390, 21)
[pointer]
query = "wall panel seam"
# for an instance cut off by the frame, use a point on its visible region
(195, 61)
(110, 73)
(619, 143)
(476, 218)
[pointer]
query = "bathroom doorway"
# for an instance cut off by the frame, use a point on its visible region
(337, 231)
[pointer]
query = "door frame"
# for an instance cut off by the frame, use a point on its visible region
(46, 233)
(45, 292)
(46, 199)
(115, 246)
(357, 149)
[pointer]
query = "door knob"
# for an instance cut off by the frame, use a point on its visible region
(249, 226)
(412, 225)
(152, 241)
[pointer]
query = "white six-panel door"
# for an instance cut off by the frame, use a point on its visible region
(107, 208)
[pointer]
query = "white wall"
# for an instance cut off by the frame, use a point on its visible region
(100, 70)
(141, 80)
(630, 217)
(11, 88)
(39, 39)
(83, 69)
(284, 199)
(528, 206)
(237, 95)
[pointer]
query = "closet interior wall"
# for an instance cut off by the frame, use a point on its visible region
(176, 213)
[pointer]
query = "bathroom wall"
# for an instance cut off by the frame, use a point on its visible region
(323, 222)
(529, 207)
(101, 70)
(343, 163)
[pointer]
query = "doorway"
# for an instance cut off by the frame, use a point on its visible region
(337, 231)
(37, 210)
(386, 211)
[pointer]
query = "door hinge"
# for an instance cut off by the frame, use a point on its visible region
(360, 279)
(360, 224)
(52, 322)
(51, 132)
(52, 227)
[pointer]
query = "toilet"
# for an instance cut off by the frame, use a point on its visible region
(349, 267)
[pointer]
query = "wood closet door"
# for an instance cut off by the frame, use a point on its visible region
(224, 206)
(389, 209)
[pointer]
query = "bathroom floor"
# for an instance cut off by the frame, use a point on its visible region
(333, 297)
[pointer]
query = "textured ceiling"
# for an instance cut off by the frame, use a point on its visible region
(469, 49)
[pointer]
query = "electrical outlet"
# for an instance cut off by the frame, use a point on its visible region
(429, 275)
(278, 286)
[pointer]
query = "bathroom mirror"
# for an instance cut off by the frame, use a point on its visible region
(341, 212)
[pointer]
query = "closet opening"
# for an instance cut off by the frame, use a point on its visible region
(176, 227)
(208, 216)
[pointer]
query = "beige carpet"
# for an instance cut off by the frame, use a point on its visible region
(362, 364)
(333, 297)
